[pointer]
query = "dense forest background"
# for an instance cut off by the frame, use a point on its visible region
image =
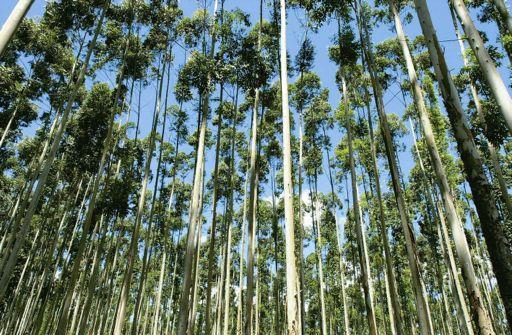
(260, 167)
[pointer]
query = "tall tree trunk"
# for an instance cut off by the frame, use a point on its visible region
(492, 225)
(292, 298)
(397, 321)
(478, 310)
(418, 287)
(134, 242)
(489, 70)
(13, 22)
(364, 261)
(493, 154)
(444, 241)
(213, 228)
(195, 203)
(253, 189)
(275, 232)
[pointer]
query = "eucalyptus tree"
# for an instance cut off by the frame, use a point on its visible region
(461, 245)
(302, 92)
(422, 305)
(490, 220)
(253, 190)
(13, 22)
(32, 198)
(292, 298)
(203, 81)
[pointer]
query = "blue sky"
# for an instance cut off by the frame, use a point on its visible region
(323, 67)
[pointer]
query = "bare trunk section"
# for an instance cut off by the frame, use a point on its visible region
(418, 287)
(13, 22)
(498, 88)
(461, 245)
(195, 203)
(444, 241)
(491, 223)
(366, 280)
(253, 189)
(292, 298)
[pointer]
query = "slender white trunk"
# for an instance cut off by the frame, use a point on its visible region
(461, 244)
(13, 22)
(491, 223)
(359, 224)
(444, 241)
(498, 88)
(195, 203)
(422, 306)
(292, 298)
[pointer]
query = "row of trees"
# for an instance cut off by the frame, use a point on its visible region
(133, 187)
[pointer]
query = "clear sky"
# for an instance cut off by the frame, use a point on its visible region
(323, 67)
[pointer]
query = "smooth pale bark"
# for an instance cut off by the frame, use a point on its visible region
(224, 325)
(366, 280)
(241, 259)
(8, 127)
(253, 189)
(501, 6)
(492, 76)
(418, 287)
(220, 291)
(195, 289)
(13, 22)
(490, 221)
(195, 203)
(292, 298)
(134, 242)
(156, 317)
(275, 232)
(461, 245)
(301, 235)
(444, 241)
(396, 317)
(213, 228)
(346, 320)
(493, 154)
(10, 263)
(446, 307)
(313, 194)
